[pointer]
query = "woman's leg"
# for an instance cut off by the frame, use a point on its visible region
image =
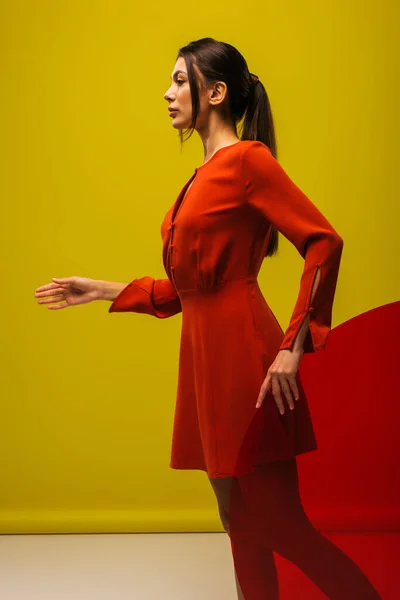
(271, 494)
(255, 570)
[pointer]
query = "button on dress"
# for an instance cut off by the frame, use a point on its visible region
(214, 238)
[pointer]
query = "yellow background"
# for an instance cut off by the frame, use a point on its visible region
(90, 164)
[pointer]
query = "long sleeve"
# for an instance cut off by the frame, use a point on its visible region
(156, 297)
(271, 192)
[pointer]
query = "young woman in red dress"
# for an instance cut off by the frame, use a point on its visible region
(241, 412)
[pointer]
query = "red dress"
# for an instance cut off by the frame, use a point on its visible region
(214, 243)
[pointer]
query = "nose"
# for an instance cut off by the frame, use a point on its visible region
(168, 96)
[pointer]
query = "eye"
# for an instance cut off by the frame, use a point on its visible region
(180, 81)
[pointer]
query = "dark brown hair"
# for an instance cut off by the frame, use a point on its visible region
(248, 103)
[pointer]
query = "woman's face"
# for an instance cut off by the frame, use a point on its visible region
(179, 97)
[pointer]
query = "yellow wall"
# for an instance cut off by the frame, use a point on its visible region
(90, 164)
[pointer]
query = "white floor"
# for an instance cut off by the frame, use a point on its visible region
(189, 566)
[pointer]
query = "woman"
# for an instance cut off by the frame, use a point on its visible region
(233, 352)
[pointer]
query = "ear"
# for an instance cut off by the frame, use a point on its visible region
(218, 93)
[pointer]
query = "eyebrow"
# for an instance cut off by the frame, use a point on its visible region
(177, 73)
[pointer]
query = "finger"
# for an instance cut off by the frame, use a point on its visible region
(49, 286)
(58, 306)
(286, 390)
(53, 292)
(51, 300)
(62, 280)
(263, 390)
(293, 386)
(276, 390)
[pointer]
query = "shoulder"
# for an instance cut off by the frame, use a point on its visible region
(254, 149)
(257, 160)
(255, 155)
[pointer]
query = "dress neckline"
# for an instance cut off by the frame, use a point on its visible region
(187, 187)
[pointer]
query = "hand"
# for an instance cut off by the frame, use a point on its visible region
(282, 376)
(71, 290)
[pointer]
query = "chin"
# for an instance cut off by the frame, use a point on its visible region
(180, 123)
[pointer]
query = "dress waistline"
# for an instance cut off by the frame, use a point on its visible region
(217, 287)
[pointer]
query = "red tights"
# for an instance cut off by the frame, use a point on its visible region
(266, 515)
